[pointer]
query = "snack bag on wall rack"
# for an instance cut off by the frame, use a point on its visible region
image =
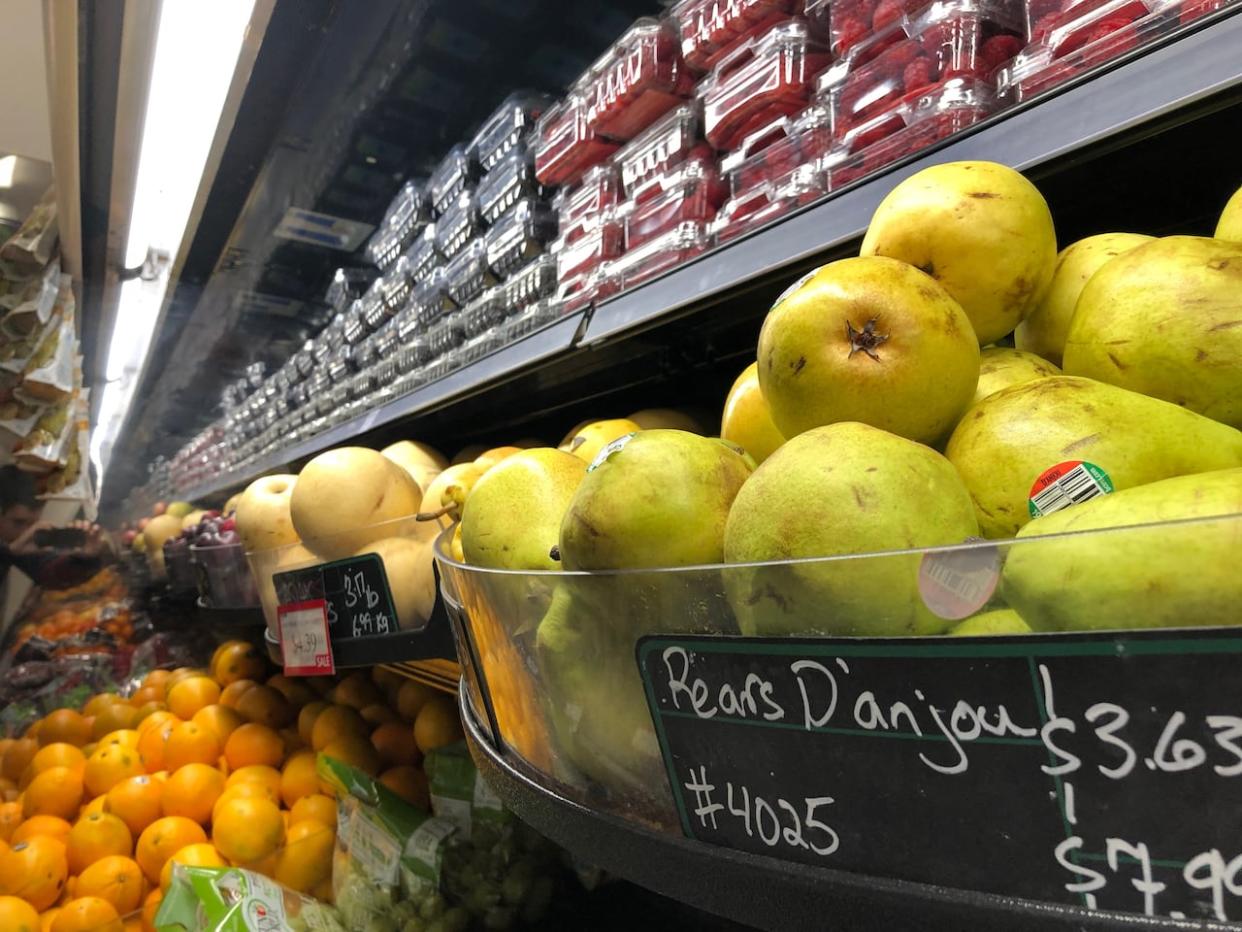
(17, 417)
(15, 352)
(46, 447)
(29, 249)
(30, 305)
(48, 374)
(73, 480)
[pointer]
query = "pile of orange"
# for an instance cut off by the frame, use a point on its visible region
(199, 766)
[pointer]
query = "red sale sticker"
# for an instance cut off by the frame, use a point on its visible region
(304, 639)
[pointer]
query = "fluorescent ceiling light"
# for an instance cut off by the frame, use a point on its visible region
(196, 51)
(8, 164)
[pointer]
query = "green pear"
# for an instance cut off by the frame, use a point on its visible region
(835, 490)
(1043, 332)
(980, 229)
(1000, 367)
(1165, 319)
(747, 419)
(997, 621)
(1138, 570)
(871, 340)
(1229, 226)
(1007, 442)
(512, 517)
(655, 498)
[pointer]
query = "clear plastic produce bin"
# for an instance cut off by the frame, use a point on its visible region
(566, 147)
(423, 255)
(600, 189)
(556, 651)
(1069, 38)
(762, 79)
(579, 252)
(676, 138)
(431, 300)
(521, 236)
(508, 126)
(456, 174)
(772, 154)
(530, 319)
(711, 28)
(914, 54)
(760, 205)
(654, 257)
(469, 275)
(691, 192)
(484, 312)
(532, 282)
(507, 184)
(639, 79)
(460, 223)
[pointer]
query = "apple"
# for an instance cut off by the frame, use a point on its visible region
(142, 524)
(409, 566)
(345, 498)
(158, 530)
(127, 537)
(190, 519)
(262, 516)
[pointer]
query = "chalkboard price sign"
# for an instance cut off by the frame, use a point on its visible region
(1101, 770)
(355, 590)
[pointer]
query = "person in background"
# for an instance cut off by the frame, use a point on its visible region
(54, 558)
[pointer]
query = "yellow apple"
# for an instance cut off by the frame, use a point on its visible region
(422, 462)
(262, 516)
(345, 498)
(747, 419)
(409, 566)
(489, 458)
(178, 509)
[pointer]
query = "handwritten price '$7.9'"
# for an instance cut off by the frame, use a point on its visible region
(775, 823)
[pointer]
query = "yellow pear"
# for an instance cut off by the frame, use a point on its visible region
(263, 519)
(665, 418)
(1229, 227)
(1000, 367)
(409, 566)
(980, 229)
(489, 458)
(997, 621)
(747, 419)
(347, 497)
(422, 462)
(468, 454)
(589, 439)
(1044, 330)
(159, 529)
(447, 489)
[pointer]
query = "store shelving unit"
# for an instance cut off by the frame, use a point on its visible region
(1146, 92)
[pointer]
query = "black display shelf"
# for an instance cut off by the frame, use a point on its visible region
(771, 894)
(1149, 91)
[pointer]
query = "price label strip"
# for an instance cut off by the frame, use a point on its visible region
(355, 592)
(304, 640)
(1102, 770)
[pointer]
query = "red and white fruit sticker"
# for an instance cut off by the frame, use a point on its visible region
(304, 639)
(955, 584)
(1070, 483)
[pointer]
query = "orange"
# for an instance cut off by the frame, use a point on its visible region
(125, 737)
(96, 703)
(8, 790)
(318, 807)
(356, 691)
(155, 719)
(147, 709)
(113, 717)
(379, 714)
(151, 906)
(96, 805)
(355, 751)
(109, 765)
(48, 916)
(191, 792)
(87, 914)
(335, 722)
(298, 778)
(411, 697)
(437, 724)
(156, 678)
(147, 694)
(395, 743)
(254, 744)
(306, 860)
(203, 854)
(136, 801)
(64, 725)
(410, 783)
(95, 837)
(151, 743)
(17, 757)
(189, 743)
(10, 818)
(293, 741)
(43, 825)
(265, 706)
(163, 838)
(116, 879)
(306, 718)
(191, 694)
(57, 791)
(234, 691)
(257, 773)
(182, 673)
(246, 790)
(237, 660)
(296, 691)
(58, 755)
(35, 870)
(247, 830)
(16, 915)
(219, 719)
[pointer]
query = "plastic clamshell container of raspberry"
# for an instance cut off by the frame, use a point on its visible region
(712, 28)
(599, 190)
(604, 239)
(773, 153)
(565, 146)
(691, 191)
(665, 145)
(760, 80)
(759, 205)
(676, 246)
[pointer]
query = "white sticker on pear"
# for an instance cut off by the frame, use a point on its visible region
(613, 446)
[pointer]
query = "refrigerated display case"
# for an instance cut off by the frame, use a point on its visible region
(477, 225)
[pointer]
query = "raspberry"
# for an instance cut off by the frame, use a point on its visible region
(886, 13)
(1044, 26)
(849, 32)
(998, 50)
(897, 57)
(917, 74)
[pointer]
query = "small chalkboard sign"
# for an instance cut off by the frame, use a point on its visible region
(1102, 770)
(355, 590)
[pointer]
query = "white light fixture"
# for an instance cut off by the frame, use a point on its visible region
(8, 164)
(196, 53)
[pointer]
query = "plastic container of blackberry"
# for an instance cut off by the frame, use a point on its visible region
(456, 174)
(529, 319)
(522, 236)
(431, 300)
(469, 274)
(347, 286)
(508, 127)
(484, 312)
(423, 255)
(532, 282)
(459, 224)
(507, 184)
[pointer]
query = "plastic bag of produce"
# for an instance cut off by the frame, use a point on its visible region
(48, 374)
(46, 445)
(459, 794)
(29, 249)
(18, 417)
(31, 306)
(16, 352)
(231, 899)
(73, 480)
